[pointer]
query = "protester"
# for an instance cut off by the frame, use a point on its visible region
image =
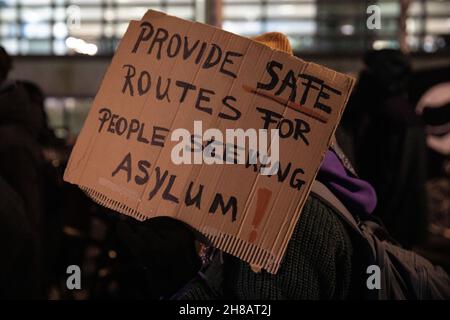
(389, 144)
(20, 154)
(434, 107)
(17, 274)
(319, 259)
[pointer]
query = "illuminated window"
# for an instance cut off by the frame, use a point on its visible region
(340, 26)
(64, 27)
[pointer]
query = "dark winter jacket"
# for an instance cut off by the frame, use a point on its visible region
(20, 154)
(17, 274)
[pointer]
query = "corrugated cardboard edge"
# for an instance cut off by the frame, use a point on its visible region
(107, 202)
(228, 243)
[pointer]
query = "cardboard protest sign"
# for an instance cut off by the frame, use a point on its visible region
(170, 74)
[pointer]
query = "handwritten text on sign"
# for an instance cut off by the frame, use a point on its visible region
(186, 89)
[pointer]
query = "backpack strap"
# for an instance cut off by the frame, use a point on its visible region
(365, 229)
(320, 191)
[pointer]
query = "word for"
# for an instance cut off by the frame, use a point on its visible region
(297, 128)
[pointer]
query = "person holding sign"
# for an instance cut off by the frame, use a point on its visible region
(318, 262)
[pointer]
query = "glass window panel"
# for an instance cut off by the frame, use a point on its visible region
(8, 14)
(60, 30)
(300, 27)
(11, 46)
(339, 23)
(340, 9)
(389, 9)
(247, 12)
(438, 25)
(10, 30)
(59, 47)
(36, 14)
(77, 110)
(59, 14)
(388, 26)
(90, 30)
(303, 42)
(413, 42)
(181, 12)
(85, 1)
(120, 29)
(138, 1)
(72, 110)
(54, 109)
(169, 2)
(290, 10)
(91, 13)
(343, 26)
(109, 14)
(34, 2)
(109, 31)
(295, 41)
(237, 1)
(413, 25)
(131, 13)
(415, 8)
(37, 30)
(243, 28)
(434, 7)
(35, 47)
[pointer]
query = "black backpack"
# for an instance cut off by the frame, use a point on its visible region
(403, 273)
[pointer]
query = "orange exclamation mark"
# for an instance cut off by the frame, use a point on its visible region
(262, 201)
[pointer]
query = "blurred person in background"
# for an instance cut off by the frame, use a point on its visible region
(51, 171)
(17, 273)
(434, 107)
(21, 157)
(389, 143)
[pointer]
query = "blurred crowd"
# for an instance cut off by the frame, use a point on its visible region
(395, 131)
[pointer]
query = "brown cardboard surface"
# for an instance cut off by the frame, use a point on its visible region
(267, 208)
